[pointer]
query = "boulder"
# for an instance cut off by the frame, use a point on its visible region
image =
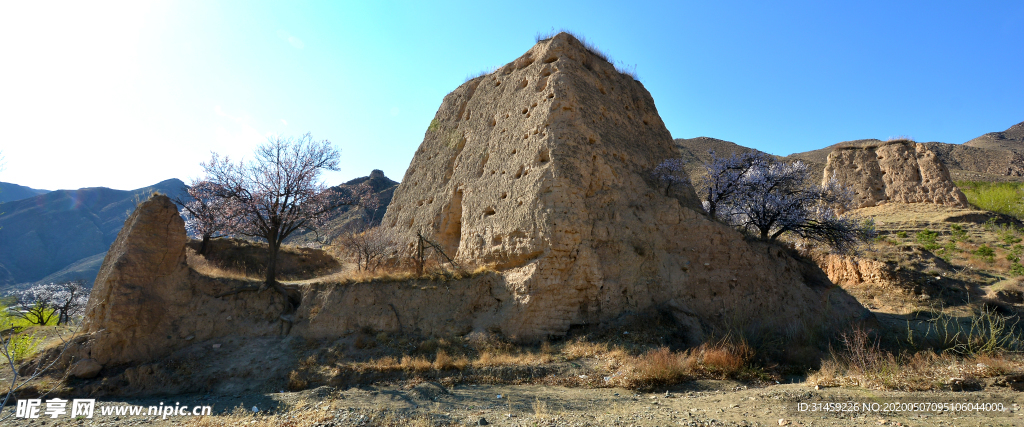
(543, 169)
(895, 171)
(85, 369)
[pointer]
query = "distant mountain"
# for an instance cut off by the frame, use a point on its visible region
(63, 235)
(11, 192)
(353, 217)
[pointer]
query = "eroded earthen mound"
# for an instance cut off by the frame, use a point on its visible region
(895, 171)
(543, 169)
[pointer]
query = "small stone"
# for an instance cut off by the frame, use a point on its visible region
(216, 346)
(482, 422)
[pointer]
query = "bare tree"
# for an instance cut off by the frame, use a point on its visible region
(276, 193)
(670, 172)
(71, 299)
(205, 213)
(39, 304)
(756, 193)
(369, 247)
(722, 179)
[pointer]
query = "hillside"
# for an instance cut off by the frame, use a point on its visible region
(62, 235)
(995, 156)
(351, 217)
(1011, 139)
(11, 192)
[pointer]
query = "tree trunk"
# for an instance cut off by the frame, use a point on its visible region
(274, 246)
(202, 246)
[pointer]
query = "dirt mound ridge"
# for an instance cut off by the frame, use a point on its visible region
(543, 169)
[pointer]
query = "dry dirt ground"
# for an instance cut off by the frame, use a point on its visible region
(698, 403)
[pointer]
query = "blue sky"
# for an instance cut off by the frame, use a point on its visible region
(127, 94)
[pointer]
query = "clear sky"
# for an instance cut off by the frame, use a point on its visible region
(128, 94)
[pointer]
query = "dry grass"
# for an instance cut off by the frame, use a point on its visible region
(577, 349)
(405, 273)
(245, 260)
(492, 359)
(662, 366)
(203, 266)
(442, 361)
(863, 363)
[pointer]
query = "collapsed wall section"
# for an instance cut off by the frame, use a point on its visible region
(897, 171)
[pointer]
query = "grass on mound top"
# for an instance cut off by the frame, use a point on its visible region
(1002, 197)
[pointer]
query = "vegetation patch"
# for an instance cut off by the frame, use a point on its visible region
(1006, 198)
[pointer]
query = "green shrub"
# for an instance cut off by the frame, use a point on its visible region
(1004, 198)
(958, 233)
(22, 346)
(986, 253)
(927, 239)
(901, 234)
(1016, 269)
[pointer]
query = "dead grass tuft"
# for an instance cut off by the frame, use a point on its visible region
(489, 358)
(662, 366)
(442, 361)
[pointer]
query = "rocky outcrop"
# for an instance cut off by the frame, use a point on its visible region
(542, 168)
(895, 171)
(846, 271)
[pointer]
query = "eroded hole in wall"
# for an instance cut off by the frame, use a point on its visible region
(526, 110)
(551, 95)
(550, 59)
(523, 83)
(493, 122)
(504, 195)
(488, 211)
(519, 173)
(513, 151)
(483, 163)
(451, 228)
(496, 240)
(543, 156)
